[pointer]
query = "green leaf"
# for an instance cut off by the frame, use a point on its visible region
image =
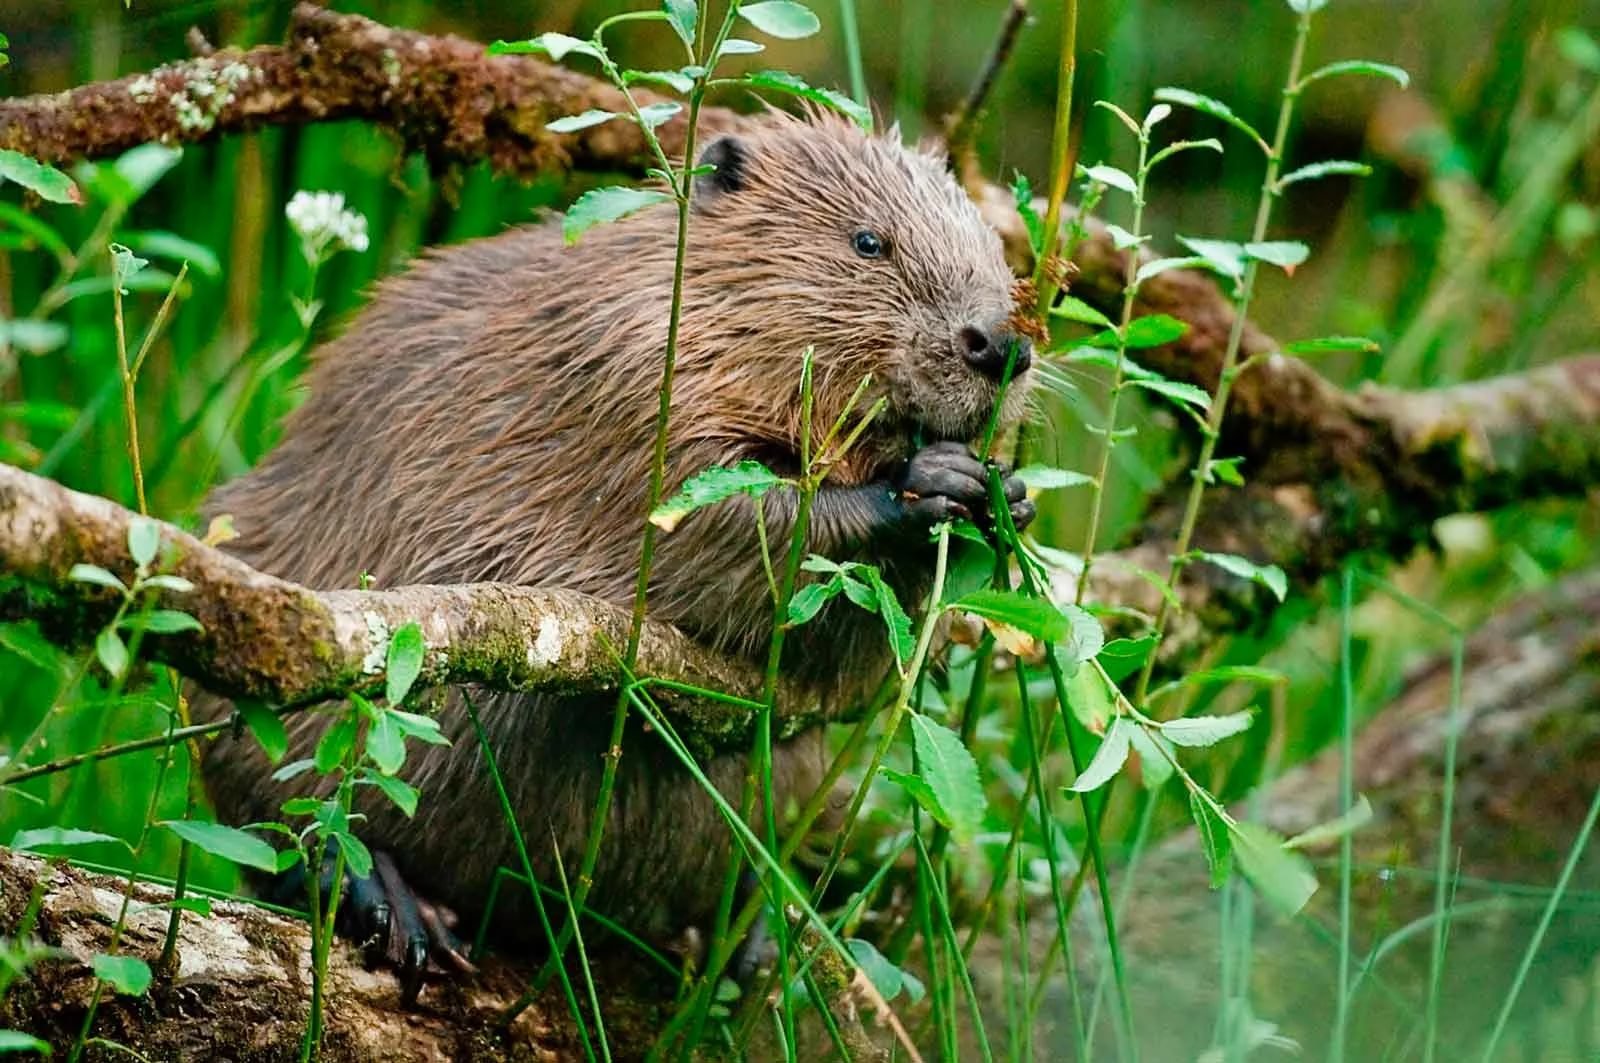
(1182, 394)
(386, 745)
(809, 600)
(556, 45)
(45, 181)
(402, 793)
(128, 975)
(1196, 731)
(1022, 196)
(301, 806)
(406, 652)
(601, 206)
(901, 640)
(1214, 839)
(1214, 108)
(167, 622)
(1285, 254)
(167, 582)
(177, 248)
(676, 80)
(112, 652)
(714, 485)
(136, 172)
(1122, 657)
(1107, 761)
(1356, 817)
(1090, 699)
(740, 46)
(1085, 637)
(1224, 256)
(422, 728)
(1122, 116)
(1226, 470)
(1358, 66)
(1156, 114)
(16, 1040)
(1177, 146)
(1269, 576)
(144, 538)
(1044, 478)
(125, 265)
(1122, 239)
(267, 726)
(779, 81)
(1112, 177)
(1328, 168)
(574, 122)
(228, 843)
(1153, 330)
(885, 977)
(1159, 266)
(33, 336)
(335, 744)
(95, 574)
(784, 19)
(652, 115)
(950, 772)
(1579, 48)
(920, 792)
(61, 838)
(1155, 769)
(683, 15)
(1075, 309)
(1333, 345)
(1307, 7)
(1035, 616)
(1282, 876)
(293, 769)
(357, 857)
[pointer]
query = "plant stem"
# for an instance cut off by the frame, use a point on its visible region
(1061, 161)
(1230, 359)
(128, 409)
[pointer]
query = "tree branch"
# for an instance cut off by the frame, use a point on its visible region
(275, 641)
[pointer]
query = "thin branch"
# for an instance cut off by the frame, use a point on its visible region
(961, 127)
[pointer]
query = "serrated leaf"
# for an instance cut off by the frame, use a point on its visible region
(1183, 394)
(601, 206)
(652, 115)
(335, 744)
(1269, 576)
(1090, 699)
(128, 975)
(227, 843)
(1359, 66)
(574, 122)
(1155, 769)
(684, 15)
(1285, 254)
(950, 772)
(400, 792)
(1033, 616)
(1357, 816)
(1332, 345)
(1075, 309)
(1107, 760)
(556, 45)
(357, 857)
(1199, 731)
(740, 46)
(1214, 840)
(167, 622)
(885, 977)
(1328, 168)
(809, 600)
(95, 574)
(61, 838)
(1022, 197)
(16, 1040)
(895, 620)
(1281, 875)
(1159, 266)
(1122, 239)
(714, 485)
(783, 19)
(1084, 639)
(1044, 478)
(1206, 105)
(266, 726)
(1112, 177)
(920, 792)
(1225, 256)
(1225, 470)
(112, 653)
(386, 745)
(404, 663)
(45, 181)
(780, 81)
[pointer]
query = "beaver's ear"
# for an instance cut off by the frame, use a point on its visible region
(730, 158)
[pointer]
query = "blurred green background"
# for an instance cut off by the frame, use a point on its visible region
(1495, 84)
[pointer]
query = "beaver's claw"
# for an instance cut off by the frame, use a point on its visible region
(946, 481)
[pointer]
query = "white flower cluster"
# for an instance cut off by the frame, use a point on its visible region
(324, 224)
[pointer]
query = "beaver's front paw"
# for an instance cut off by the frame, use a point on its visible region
(946, 481)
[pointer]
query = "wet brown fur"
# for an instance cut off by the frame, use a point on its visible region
(490, 416)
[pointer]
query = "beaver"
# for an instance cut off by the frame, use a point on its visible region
(490, 415)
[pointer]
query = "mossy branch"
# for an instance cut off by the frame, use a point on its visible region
(278, 642)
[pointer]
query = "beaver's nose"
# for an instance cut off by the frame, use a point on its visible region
(986, 350)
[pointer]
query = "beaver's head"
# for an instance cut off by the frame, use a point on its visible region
(872, 254)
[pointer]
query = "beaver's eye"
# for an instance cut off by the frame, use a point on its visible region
(869, 244)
